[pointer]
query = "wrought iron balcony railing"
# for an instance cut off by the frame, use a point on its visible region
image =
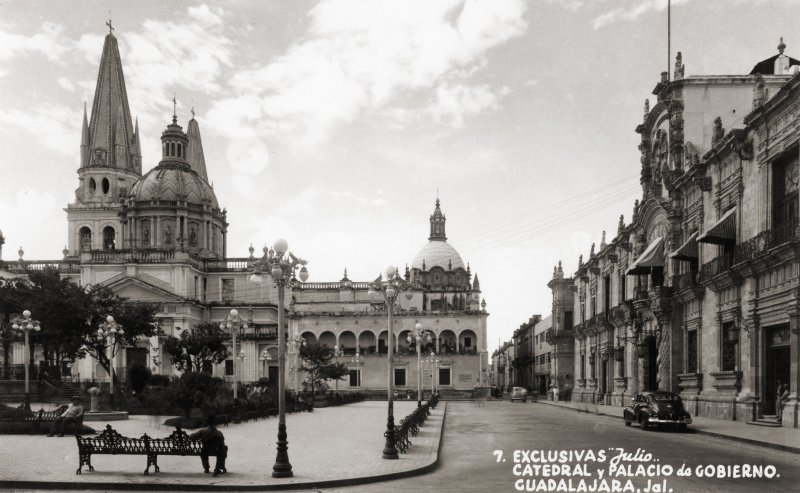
(761, 243)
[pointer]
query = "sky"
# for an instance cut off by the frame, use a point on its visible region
(336, 124)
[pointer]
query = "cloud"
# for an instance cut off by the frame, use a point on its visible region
(48, 42)
(17, 228)
(455, 102)
(55, 125)
(632, 11)
(359, 56)
(189, 54)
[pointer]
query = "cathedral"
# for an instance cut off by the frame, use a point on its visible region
(161, 237)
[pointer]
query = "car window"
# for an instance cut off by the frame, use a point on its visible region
(666, 398)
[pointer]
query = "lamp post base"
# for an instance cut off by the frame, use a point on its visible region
(28, 401)
(390, 449)
(282, 467)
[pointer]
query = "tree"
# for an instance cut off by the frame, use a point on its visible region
(13, 293)
(62, 307)
(193, 389)
(317, 362)
(138, 320)
(197, 348)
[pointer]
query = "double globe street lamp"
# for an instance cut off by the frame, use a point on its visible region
(234, 323)
(26, 325)
(282, 265)
(419, 336)
(110, 331)
(389, 290)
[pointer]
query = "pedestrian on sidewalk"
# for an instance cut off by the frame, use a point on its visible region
(73, 414)
(782, 398)
(213, 444)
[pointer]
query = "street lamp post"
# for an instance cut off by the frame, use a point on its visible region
(356, 360)
(389, 290)
(296, 342)
(282, 265)
(110, 330)
(419, 336)
(266, 358)
(433, 362)
(26, 325)
(234, 323)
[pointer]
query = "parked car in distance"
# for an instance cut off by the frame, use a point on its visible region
(657, 407)
(519, 394)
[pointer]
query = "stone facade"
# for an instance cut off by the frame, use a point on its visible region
(698, 294)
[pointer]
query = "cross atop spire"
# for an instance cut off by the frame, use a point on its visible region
(108, 23)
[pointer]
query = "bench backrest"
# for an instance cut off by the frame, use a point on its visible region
(110, 441)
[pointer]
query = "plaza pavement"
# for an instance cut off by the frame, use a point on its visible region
(787, 439)
(332, 446)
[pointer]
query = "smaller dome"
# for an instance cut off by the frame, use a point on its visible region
(174, 181)
(438, 253)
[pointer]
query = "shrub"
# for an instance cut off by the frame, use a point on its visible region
(138, 376)
(159, 380)
(187, 423)
(194, 389)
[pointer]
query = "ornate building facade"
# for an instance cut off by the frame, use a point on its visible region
(161, 237)
(698, 294)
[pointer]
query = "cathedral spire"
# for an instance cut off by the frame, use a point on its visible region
(437, 224)
(194, 151)
(85, 139)
(110, 123)
(137, 148)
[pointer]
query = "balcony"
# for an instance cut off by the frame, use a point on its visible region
(717, 274)
(765, 250)
(686, 287)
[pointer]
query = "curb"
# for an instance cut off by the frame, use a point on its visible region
(749, 441)
(55, 485)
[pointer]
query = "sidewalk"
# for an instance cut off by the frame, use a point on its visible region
(786, 439)
(335, 446)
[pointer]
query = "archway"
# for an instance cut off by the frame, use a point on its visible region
(347, 342)
(447, 342)
(109, 238)
(328, 338)
(467, 342)
(85, 238)
(366, 342)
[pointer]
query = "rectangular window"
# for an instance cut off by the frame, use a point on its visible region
(691, 351)
(228, 367)
(568, 321)
(355, 377)
(444, 376)
(399, 376)
(728, 349)
(583, 366)
(228, 290)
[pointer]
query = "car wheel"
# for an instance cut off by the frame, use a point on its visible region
(645, 422)
(627, 423)
(682, 427)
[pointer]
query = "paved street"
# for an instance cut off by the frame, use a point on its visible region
(472, 433)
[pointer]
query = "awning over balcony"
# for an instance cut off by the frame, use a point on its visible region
(687, 251)
(723, 231)
(652, 256)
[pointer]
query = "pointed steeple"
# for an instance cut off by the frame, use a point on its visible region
(85, 139)
(437, 224)
(137, 148)
(194, 152)
(476, 284)
(110, 123)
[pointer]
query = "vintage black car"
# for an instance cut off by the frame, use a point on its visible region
(657, 408)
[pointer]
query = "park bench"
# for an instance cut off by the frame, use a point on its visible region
(410, 424)
(42, 416)
(110, 442)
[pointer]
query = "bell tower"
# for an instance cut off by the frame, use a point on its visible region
(111, 160)
(437, 224)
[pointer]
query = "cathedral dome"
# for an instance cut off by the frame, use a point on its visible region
(438, 253)
(174, 181)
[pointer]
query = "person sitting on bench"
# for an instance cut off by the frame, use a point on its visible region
(73, 415)
(213, 444)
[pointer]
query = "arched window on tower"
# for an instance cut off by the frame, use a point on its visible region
(106, 186)
(92, 186)
(109, 235)
(85, 238)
